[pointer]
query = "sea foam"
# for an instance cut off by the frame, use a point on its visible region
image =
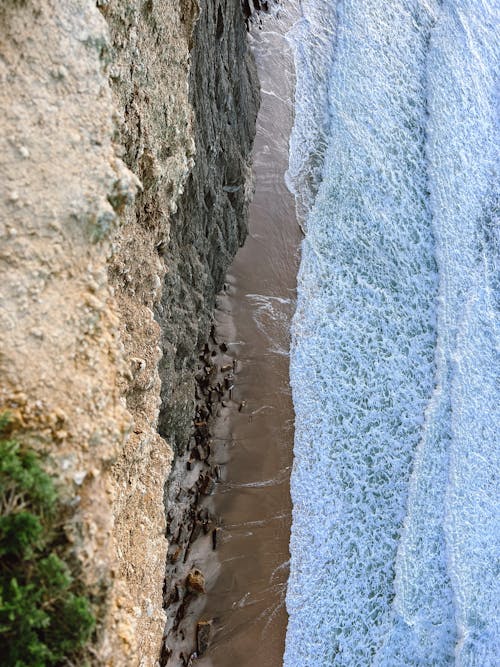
(394, 361)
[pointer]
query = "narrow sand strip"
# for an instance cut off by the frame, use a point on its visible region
(246, 591)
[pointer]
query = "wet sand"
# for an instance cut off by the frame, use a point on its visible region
(246, 583)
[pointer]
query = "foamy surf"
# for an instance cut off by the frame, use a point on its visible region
(394, 363)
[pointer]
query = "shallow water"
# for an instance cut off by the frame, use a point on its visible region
(394, 365)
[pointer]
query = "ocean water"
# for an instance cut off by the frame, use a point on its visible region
(395, 545)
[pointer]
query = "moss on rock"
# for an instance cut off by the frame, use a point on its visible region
(45, 618)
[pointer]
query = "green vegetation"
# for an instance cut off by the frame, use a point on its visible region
(44, 618)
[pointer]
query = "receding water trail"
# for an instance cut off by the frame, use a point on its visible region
(394, 365)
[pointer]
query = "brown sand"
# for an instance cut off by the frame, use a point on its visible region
(247, 585)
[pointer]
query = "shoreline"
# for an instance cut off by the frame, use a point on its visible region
(246, 584)
(229, 520)
(192, 524)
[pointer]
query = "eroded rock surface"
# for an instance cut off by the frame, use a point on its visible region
(208, 228)
(107, 216)
(210, 223)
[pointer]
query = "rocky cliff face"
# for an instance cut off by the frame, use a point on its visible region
(126, 131)
(210, 223)
(206, 231)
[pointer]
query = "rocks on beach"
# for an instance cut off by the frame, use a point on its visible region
(203, 632)
(189, 518)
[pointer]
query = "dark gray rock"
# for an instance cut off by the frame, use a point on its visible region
(203, 632)
(211, 221)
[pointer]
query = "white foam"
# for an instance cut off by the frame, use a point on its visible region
(312, 41)
(394, 362)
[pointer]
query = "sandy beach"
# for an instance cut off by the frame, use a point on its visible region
(246, 585)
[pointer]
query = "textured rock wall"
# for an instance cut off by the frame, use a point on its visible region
(210, 223)
(98, 138)
(149, 80)
(208, 228)
(61, 360)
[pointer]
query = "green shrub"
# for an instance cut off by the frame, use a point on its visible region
(44, 618)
